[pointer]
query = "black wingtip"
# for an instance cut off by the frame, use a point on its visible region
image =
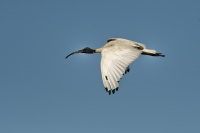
(117, 88)
(113, 91)
(106, 89)
(109, 92)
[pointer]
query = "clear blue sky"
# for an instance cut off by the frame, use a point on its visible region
(41, 92)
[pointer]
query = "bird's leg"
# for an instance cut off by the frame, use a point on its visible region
(159, 54)
(152, 54)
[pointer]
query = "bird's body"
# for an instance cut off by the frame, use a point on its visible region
(117, 54)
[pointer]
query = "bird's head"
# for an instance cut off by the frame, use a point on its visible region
(86, 50)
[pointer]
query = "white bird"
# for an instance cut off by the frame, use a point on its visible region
(116, 56)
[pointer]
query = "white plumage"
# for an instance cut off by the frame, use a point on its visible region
(117, 54)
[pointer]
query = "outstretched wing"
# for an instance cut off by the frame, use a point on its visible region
(114, 63)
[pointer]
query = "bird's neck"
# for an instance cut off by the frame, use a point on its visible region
(98, 50)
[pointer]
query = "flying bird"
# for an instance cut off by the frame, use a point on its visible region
(116, 56)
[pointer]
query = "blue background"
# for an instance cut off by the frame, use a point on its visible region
(41, 92)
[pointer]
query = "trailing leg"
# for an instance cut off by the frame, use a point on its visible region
(151, 53)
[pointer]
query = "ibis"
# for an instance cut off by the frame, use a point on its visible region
(116, 56)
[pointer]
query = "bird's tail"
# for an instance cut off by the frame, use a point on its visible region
(151, 52)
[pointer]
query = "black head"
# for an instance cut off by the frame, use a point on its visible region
(86, 50)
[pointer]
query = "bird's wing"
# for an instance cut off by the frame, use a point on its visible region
(114, 63)
(130, 42)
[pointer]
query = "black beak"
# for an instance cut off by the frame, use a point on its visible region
(79, 51)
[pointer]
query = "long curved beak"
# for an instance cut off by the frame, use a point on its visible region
(76, 52)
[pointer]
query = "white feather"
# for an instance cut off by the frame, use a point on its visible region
(117, 58)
